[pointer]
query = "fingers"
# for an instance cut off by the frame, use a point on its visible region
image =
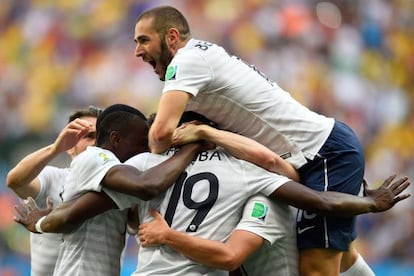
(25, 204)
(141, 237)
(18, 220)
(79, 124)
(388, 181)
(401, 197)
(400, 185)
(32, 203)
(19, 211)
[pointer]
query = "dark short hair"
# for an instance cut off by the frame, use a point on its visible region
(189, 116)
(92, 111)
(116, 117)
(166, 17)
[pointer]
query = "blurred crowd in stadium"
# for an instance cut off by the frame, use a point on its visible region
(353, 60)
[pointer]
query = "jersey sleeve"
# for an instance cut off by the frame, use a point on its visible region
(146, 160)
(262, 181)
(87, 171)
(92, 170)
(265, 218)
(189, 72)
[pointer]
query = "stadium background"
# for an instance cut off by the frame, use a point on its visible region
(353, 60)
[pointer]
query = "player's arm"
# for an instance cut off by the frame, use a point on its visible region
(65, 217)
(23, 180)
(341, 204)
(238, 146)
(228, 256)
(152, 182)
(171, 106)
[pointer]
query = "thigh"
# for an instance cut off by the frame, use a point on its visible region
(338, 167)
(319, 262)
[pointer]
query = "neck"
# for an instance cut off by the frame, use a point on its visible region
(179, 45)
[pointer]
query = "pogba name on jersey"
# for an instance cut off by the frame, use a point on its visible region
(201, 156)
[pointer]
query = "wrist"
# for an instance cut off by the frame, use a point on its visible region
(373, 207)
(202, 132)
(54, 150)
(167, 237)
(38, 226)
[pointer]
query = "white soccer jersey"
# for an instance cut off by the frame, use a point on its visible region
(241, 99)
(44, 248)
(207, 201)
(274, 223)
(95, 247)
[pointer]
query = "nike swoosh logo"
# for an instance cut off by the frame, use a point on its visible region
(300, 231)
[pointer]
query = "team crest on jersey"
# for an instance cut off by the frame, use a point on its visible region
(171, 72)
(103, 156)
(259, 210)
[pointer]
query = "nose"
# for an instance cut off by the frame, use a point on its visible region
(139, 50)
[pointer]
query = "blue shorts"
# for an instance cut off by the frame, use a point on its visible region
(339, 166)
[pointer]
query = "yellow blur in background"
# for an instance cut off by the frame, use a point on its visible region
(353, 60)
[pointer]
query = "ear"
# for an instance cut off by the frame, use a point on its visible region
(172, 38)
(114, 138)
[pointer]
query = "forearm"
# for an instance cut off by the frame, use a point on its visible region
(70, 214)
(26, 171)
(149, 184)
(161, 177)
(323, 203)
(57, 221)
(207, 252)
(159, 144)
(341, 204)
(170, 109)
(248, 149)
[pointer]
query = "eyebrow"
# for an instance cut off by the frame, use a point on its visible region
(140, 37)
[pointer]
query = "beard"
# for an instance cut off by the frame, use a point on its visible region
(165, 58)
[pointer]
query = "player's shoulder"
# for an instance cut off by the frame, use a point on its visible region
(96, 153)
(93, 157)
(197, 48)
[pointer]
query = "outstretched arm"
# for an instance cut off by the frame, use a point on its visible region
(150, 183)
(228, 256)
(237, 145)
(65, 217)
(341, 204)
(171, 107)
(22, 179)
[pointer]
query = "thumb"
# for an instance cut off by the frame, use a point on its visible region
(49, 202)
(155, 214)
(365, 184)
